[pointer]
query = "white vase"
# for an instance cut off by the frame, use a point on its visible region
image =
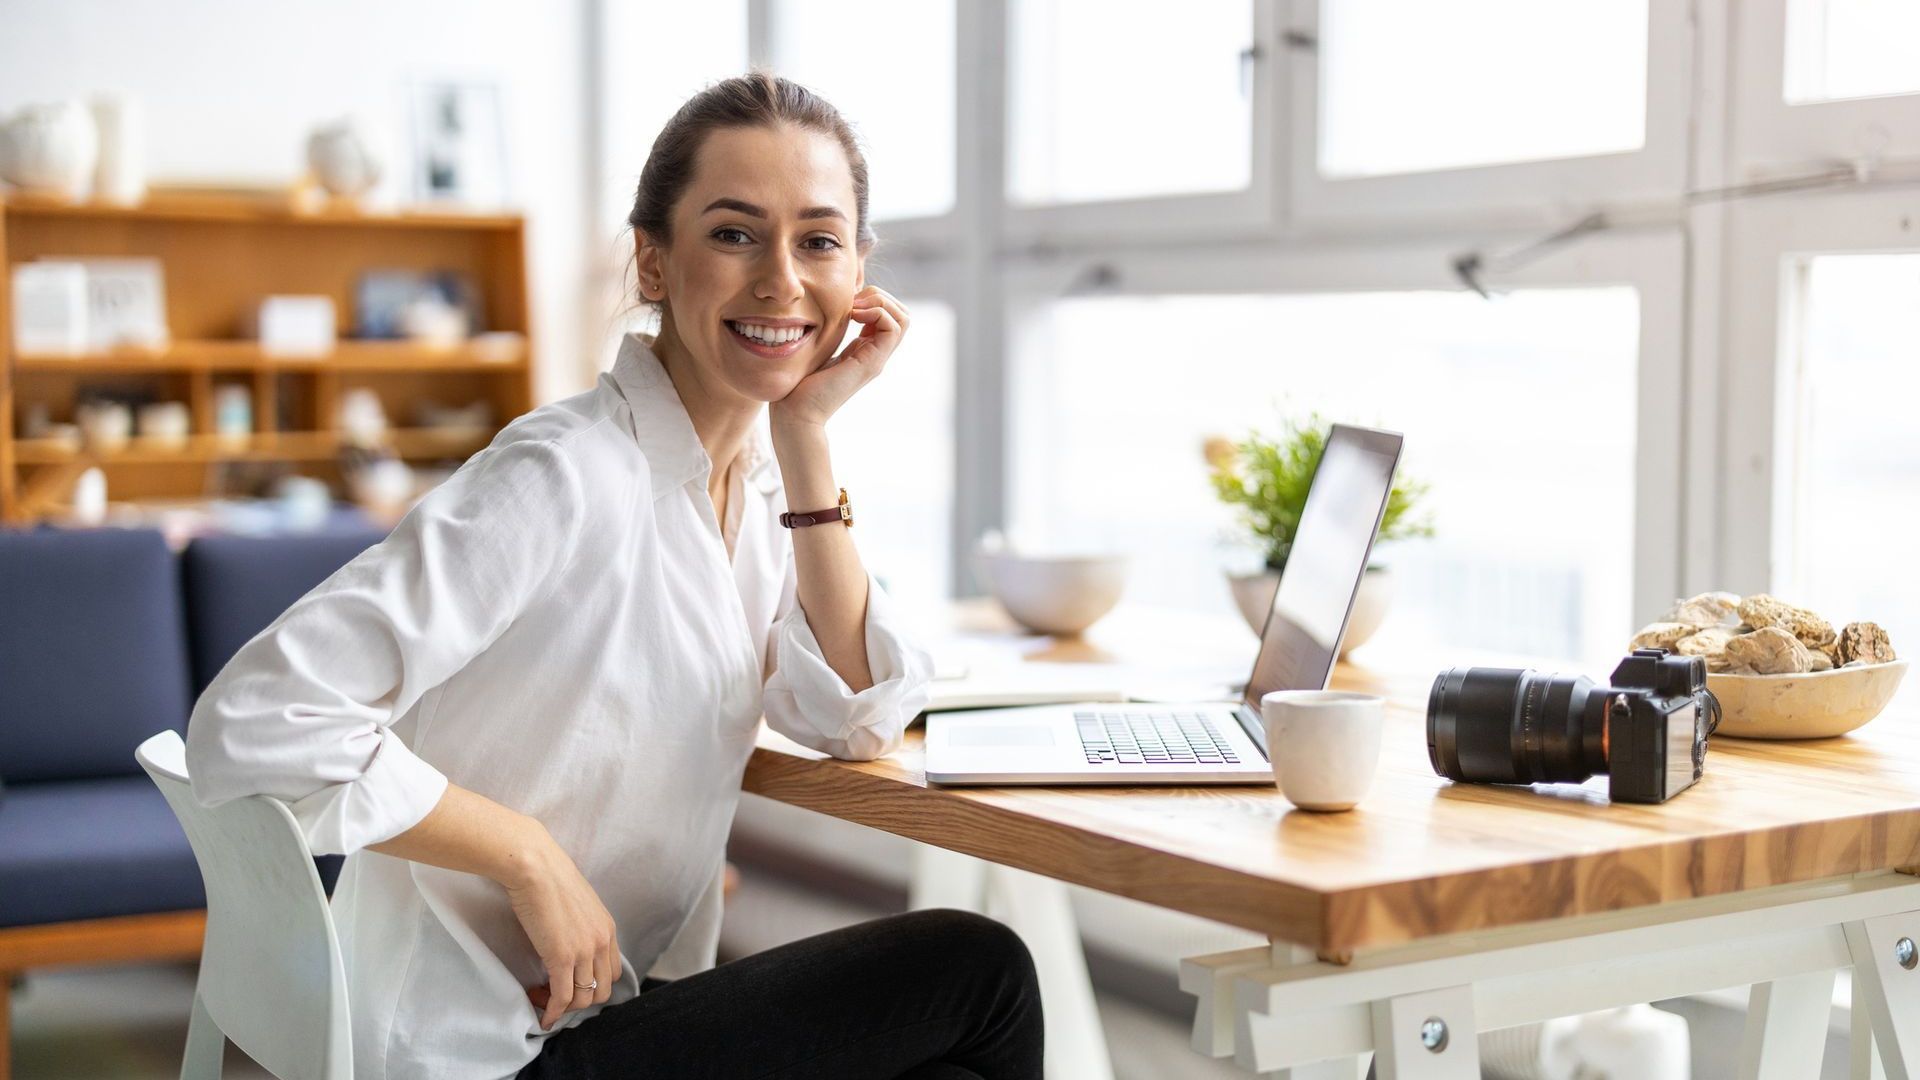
(49, 148)
(1253, 595)
(120, 177)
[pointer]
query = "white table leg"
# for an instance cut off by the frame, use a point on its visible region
(1886, 956)
(1863, 1061)
(947, 879)
(1041, 912)
(1427, 1036)
(1786, 1032)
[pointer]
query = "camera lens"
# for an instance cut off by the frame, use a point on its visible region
(1512, 726)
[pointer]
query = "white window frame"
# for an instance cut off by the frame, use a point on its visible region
(1772, 138)
(1652, 262)
(1255, 209)
(1550, 190)
(1761, 460)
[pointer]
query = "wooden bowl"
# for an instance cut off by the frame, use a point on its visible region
(1811, 706)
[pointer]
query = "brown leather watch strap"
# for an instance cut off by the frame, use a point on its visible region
(841, 513)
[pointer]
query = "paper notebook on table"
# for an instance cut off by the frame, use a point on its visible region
(961, 687)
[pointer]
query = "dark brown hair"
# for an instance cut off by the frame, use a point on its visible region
(756, 99)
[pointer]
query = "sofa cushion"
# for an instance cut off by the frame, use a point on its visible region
(84, 849)
(236, 585)
(93, 654)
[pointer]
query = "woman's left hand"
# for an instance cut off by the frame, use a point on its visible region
(818, 396)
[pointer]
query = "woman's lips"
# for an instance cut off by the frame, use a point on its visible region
(770, 352)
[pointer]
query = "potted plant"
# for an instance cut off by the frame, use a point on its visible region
(1267, 480)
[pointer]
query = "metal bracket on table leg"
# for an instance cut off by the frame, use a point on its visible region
(1786, 1033)
(1886, 959)
(1427, 1036)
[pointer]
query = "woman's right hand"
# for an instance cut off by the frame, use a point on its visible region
(570, 929)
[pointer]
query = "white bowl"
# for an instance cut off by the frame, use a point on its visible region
(1816, 705)
(1058, 594)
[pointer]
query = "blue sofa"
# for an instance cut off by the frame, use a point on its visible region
(106, 637)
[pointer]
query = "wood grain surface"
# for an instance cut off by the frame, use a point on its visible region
(1420, 856)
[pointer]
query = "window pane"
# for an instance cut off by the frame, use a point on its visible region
(1106, 106)
(893, 451)
(710, 44)
(1857, 511)
(1533, 511)
(1852, 49)
(889, 69)
(1412, 85)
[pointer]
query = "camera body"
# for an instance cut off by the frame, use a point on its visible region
(1647, 729)
(1658, 725)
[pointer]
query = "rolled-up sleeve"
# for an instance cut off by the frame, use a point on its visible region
(304, 711)
(808, 702)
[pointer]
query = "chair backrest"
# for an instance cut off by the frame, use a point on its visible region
(236, 585)
(271, 975)
(93, 654)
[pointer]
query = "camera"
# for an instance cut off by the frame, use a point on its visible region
(1647, 730)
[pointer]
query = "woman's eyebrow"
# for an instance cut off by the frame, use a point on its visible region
(749, 209)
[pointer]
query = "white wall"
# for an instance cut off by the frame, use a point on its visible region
(230, 89)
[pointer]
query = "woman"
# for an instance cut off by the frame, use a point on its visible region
(525, 714)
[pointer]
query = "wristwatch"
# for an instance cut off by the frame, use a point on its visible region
(842, 513)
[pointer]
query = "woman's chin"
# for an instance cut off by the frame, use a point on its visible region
(767, 384)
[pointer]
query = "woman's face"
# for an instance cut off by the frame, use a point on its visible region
(762, 267)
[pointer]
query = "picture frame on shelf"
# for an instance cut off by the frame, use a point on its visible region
(457, 154)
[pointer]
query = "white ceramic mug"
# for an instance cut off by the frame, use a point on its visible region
(1324, 745)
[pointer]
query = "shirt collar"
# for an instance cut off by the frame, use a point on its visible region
(665, 433)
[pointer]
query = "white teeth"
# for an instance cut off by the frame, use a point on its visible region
(767, 335)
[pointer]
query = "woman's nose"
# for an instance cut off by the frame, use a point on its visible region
(779, 277)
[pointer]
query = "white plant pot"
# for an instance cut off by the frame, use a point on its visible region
(1253, 595)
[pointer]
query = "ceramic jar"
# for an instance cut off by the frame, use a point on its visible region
(342, 159)
(49, 148)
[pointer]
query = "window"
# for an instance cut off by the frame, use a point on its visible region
(1840, 49)
(1105, 104)
(1856, 501)
(889, 68)
(1410, 85)
(1518, 412)
(893, 451)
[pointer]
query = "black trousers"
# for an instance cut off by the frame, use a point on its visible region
(931, 995)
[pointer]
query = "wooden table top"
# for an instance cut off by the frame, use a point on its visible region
(1420, 856)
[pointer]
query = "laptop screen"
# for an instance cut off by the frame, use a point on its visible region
(1330, 548)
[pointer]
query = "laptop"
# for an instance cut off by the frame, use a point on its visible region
(1203, 742)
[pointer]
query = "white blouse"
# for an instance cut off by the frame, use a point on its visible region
(558, 628)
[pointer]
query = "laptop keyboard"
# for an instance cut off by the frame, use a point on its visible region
(1130, 737)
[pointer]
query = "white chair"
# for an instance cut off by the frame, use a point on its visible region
(271, 977)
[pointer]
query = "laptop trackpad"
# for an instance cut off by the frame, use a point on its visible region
(1000, 735)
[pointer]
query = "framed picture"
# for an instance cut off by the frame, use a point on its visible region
(458, 146)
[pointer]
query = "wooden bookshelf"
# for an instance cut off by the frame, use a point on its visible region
(221, 256)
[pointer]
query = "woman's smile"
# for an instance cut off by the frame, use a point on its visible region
(773, 339)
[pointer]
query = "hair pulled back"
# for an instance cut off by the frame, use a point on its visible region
(756, 99)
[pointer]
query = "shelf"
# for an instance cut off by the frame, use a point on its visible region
(277, 446)
(246, 356)
(251, 211)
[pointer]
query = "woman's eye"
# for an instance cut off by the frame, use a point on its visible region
(730, 236)
(822, 243)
